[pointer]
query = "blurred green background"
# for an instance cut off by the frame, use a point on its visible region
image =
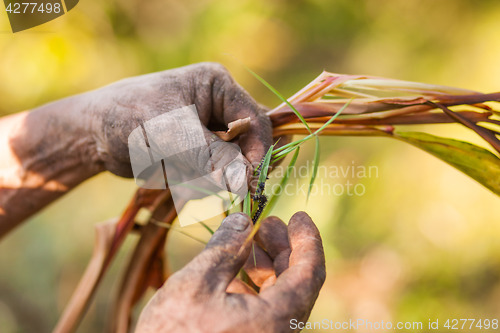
(420, 243)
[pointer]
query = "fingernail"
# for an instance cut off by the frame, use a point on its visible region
(237, 222)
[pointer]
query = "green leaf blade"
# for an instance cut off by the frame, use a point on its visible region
(264, 167)
(332, 118)
(315, 168)
(281, 97)
(207, 227)
(273, 199)
(247, 209)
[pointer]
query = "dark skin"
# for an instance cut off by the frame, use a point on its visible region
(48, 151)
(206, 296)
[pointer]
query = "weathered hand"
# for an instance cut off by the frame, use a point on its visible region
(205, 296)
(48, 151)
(117, 109)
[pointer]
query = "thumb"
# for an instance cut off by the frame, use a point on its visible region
(217, 265)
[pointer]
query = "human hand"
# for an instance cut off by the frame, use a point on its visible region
(116, 110)
(206, 296)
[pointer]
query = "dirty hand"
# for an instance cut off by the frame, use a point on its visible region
(206, 295)
(51, 149)
(116, 110)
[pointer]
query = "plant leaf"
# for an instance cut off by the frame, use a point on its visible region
(325, 125)
(264, 167)
(283, 99)
(276, 193)
(475, 161)
(169, 226)
(207, 227)
(283, 153)
(316, 151)
(285, 149)
(315, 167)
(246, 205)
(82, 296)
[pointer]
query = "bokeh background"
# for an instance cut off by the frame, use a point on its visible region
(420, 243)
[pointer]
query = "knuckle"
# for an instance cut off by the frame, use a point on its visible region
(214, 68)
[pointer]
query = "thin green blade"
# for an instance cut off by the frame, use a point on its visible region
(277, 191)
(282, 151)
(264, 167)
(283, 99)
(246, 204)
(315, 168)
(207, 227)
(332, 118)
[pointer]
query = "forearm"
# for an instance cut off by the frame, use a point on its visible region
(44, 153)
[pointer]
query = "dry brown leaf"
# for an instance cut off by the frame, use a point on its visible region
(235, 128)
(74, 311)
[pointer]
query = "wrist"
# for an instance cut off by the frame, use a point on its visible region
(63, 141)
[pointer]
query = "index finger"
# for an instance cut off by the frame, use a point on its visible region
(297, 288)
